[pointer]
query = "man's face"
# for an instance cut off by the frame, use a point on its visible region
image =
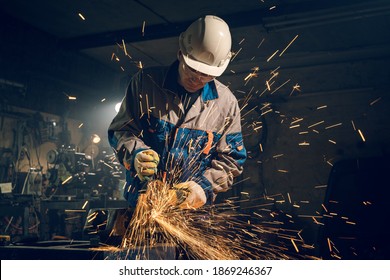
(191, 79)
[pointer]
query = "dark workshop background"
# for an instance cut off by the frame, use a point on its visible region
(312, 78)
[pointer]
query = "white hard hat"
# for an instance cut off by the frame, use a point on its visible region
(206, 45)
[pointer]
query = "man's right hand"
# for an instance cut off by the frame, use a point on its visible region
(145, 164)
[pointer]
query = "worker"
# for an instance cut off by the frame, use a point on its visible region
(180, 124)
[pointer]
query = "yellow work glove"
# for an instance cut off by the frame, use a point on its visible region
(188, 195)
(145, 164)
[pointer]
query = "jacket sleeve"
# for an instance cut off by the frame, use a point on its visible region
(125, 130)
(229, 160)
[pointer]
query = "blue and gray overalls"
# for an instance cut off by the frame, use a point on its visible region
(197, 139)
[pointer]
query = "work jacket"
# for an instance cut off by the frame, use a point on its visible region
(204, 144)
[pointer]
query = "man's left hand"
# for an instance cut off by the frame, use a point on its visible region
(188, 195)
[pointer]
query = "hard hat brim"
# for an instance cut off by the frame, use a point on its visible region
(215, 71)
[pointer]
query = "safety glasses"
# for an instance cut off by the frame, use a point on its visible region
(196, 75)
